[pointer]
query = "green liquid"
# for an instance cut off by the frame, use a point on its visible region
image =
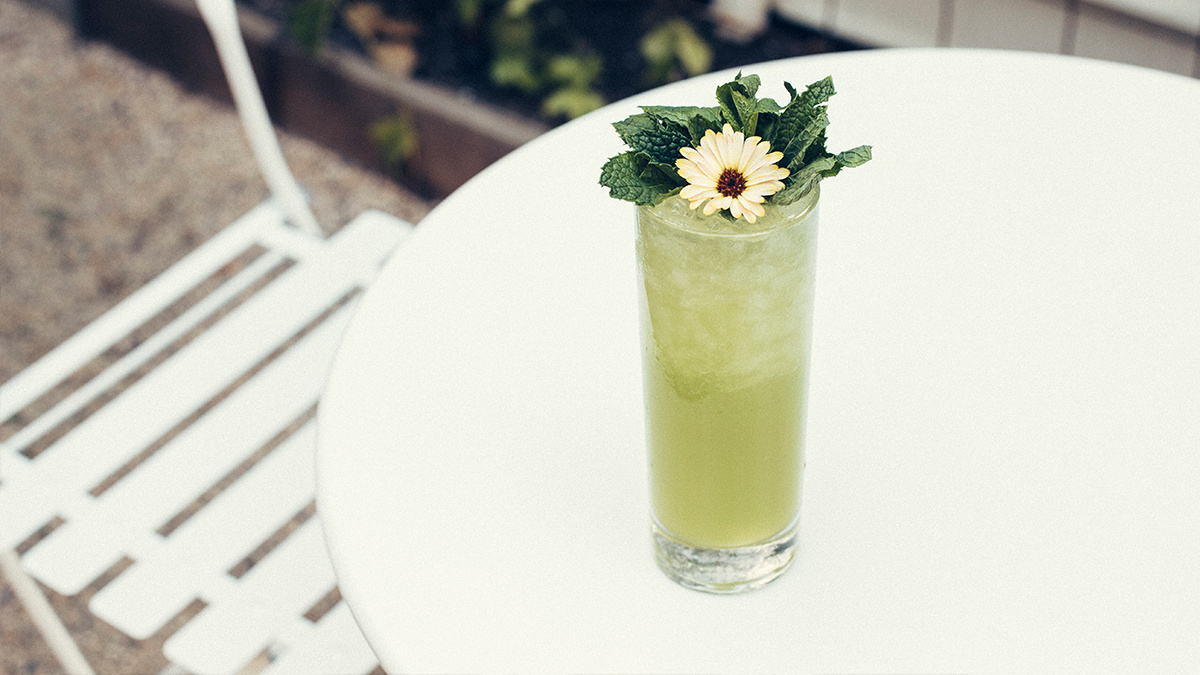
(726, 467)
(726, 326)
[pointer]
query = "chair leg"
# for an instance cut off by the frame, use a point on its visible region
(44, 616)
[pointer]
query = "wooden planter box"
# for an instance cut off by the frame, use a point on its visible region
(332, 99)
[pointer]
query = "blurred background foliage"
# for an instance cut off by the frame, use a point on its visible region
(554, 59)
(545, 51)
(551, 60)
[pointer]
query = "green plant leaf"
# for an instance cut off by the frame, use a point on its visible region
(800, 111)
(848, 159)
(659, 136)
(308, 23)
(694, 54)
(696, 120)
(516, 71)
(818, 92)
(752, 111)
(678, 114)
(795, 153)
(854, 156)
(662, 175)
(729, 108)
(674, 43)
(802, 181)
(396, 139)
(571, 102)
(765, 126)
(817, 149)
(748, 85)
(577, 70)
(519, 7)
(629, 176)
(699, 125)
(739, 106)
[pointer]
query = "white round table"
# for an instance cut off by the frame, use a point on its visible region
(1003, 469)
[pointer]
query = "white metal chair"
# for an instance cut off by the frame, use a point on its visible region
(206, 458)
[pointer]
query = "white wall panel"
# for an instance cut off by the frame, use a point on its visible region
(894, 23)
(1033, 25)
(1158, 34)
(1104, 35)
(1181, 15)
(808, 12)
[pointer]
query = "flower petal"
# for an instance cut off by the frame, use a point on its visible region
(752, 207)
(698, 192)
(761, 158)
(749, 154)
(735, 208)
(730, 151)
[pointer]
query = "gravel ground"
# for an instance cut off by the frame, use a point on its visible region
(109, 173)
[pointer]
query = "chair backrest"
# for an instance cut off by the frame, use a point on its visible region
(222, 21)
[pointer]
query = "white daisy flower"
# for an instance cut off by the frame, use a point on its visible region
(730, 171)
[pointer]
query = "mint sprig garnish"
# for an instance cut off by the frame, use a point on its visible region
(647, 173)
(634, 177)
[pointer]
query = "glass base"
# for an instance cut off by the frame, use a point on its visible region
(724, 570)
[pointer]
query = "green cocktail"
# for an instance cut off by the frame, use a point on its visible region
(726, 332)
(727, 244)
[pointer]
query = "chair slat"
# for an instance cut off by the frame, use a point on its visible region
(136, 357)
(334, 645)
(94, 538)
(148, 594)
(157, 403)
(132, 312)
(269, 599)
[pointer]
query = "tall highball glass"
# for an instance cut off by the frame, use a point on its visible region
(726, 324)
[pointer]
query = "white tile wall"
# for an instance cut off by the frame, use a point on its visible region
(1163, 34)
(1106, 35)
(1032, 25)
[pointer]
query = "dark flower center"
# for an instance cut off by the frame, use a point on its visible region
(731, 183)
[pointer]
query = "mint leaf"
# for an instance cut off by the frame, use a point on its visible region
(852, 158)
(731, 108)
(817, 149)
(696, 120)
(658, 137)
(678, 114)
(765, 127)
(800, 112)
(662, 176)
(699, 124)
(631, 176)
(748, 85)
(800, 182)
(797, 148)
(826, 166)
(818, 92)
(750, 110)
(728, 107)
